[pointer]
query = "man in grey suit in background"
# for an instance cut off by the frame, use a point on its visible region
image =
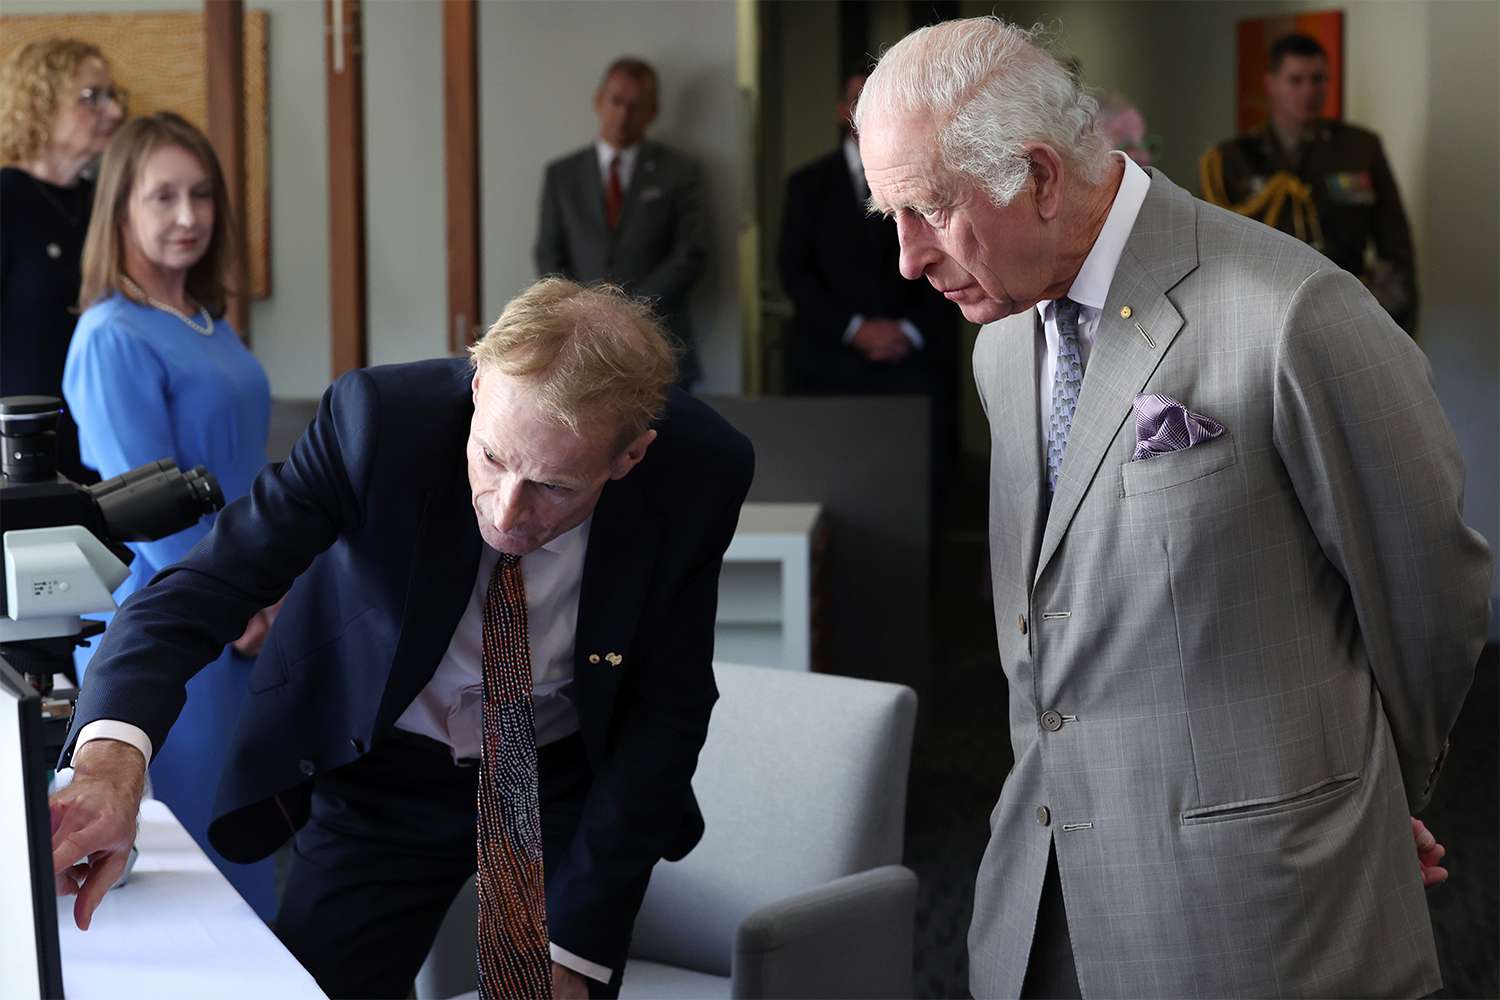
(628, 211)
(1237, 604)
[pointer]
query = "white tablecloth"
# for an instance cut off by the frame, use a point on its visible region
(176, 929)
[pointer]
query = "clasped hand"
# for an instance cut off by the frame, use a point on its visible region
(881, 341)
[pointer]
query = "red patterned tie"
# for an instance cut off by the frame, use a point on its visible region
(614, 198)
(513, 956)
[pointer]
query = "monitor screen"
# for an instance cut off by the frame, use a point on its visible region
(30, 960)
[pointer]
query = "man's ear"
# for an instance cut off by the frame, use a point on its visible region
(631, 456)
(474, 386)
(1046, 179)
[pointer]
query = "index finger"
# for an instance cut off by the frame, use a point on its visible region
(75, 838)
(68, 851)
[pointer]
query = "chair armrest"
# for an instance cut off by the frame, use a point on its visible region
(851, 937)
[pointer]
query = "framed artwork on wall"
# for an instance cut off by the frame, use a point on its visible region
(1253, 40)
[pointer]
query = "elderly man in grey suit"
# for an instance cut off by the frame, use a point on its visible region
(1237, 604)
(626, 210)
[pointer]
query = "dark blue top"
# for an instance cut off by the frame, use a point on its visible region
(42, 227)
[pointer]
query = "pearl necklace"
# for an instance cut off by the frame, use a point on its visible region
(206, 330)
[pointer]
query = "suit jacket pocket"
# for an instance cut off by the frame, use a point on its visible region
(274, 665)
(1323, 791)
(1152, 475)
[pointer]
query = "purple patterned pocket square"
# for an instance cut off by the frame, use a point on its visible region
(1163, 425)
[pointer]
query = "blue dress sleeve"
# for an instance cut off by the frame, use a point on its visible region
(116, 388)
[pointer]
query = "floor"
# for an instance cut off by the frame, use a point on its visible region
(962, 756)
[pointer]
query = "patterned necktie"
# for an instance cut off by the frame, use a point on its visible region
(614, 198)
(513, 956)
(1067, 379)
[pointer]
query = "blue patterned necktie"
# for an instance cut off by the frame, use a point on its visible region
(1067, 380)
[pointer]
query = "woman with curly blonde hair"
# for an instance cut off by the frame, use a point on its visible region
(58, 109)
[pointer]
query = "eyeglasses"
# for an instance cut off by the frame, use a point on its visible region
(95, 98)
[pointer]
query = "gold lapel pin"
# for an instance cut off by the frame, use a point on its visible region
(593, 657)
(615, 659)
(1125, 312)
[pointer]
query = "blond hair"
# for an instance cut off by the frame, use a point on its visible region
(585, 353)
(33, 83)
(103, 252)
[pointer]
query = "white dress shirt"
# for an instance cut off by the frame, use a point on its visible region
(862, 193)
(606, 152)
(1091, 287)
(449, 708)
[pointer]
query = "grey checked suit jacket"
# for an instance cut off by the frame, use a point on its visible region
(1256, 647)
(658, 250)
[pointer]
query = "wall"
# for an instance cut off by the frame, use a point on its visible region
(406, 260)
(539, 66)
(1460, 311)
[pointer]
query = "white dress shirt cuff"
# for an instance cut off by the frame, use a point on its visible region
(114, 729)
(582, 966)
(913, 334)
(854, 324)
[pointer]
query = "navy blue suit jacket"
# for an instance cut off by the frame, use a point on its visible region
(371, 517)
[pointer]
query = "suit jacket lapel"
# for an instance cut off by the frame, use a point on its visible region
(1013, 392)
(641, 177)
(1162, 249)
(444, 562)
(592, 185)
(616, 577)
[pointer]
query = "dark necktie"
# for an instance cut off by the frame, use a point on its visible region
(614, 196)
(1067, 380)
(514, 959)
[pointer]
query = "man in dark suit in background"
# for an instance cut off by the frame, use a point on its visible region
(546, 520)
(860, 327)
(628, 211)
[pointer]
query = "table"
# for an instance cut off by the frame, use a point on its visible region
(176, 929)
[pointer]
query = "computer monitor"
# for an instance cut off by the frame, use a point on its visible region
(30, 958)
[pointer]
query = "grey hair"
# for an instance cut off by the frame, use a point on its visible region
(992, 87)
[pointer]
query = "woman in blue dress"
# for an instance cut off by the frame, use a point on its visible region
(155, 371)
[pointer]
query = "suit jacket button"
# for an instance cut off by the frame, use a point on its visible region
(306, 767)
(1043, 815)
(1021, 621)
(1051, 721)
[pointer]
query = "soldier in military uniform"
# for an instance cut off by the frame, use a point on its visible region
(1325, 182)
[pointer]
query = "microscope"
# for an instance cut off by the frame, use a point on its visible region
(64, 547)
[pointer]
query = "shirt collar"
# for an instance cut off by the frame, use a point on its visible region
(571, 539)
(605, 152)
(1091, 287)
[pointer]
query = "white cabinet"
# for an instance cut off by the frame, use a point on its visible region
(766, 589)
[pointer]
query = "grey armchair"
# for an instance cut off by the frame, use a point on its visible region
(796, 889)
